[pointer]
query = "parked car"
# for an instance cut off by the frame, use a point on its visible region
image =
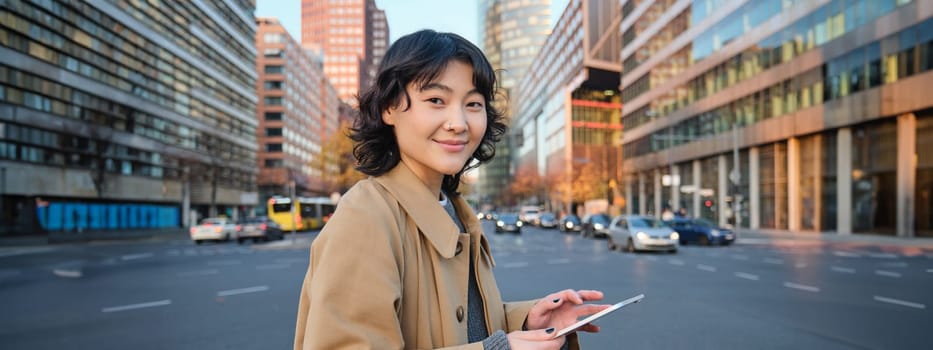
(595, 225)
(509, 222)
(636, 233)
(528, 214)
(570, 223)
(546, 220)
(258, 229)
(702, 231)
(214, 229)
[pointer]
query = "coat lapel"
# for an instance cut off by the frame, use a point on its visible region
(422, 206)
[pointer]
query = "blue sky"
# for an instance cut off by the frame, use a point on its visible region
(405, 16)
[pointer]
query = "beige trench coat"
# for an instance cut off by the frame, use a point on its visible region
(390, 271)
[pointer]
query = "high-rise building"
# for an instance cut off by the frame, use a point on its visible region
(114, 117)
(782, 115)
(379, 39)
(343, 33)
(512, 34)
(566, 127)
(292, 112)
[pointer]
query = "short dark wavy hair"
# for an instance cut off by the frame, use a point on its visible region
(419, 58)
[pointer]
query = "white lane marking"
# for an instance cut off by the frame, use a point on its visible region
(747, 276)
(846, 254)
(558, 261)
(136, 306)
(900, 302)
(676, 262)
(23, 251)
(256, 289)
(515, 264)
(652, 258)
(70, 273)
(272, 266)
(774, 261)
(223, 263)
(801, 287)
(191, 252)
(887, 273)
(174, 252)
(882, 255)
(198, 273)
(136, 256)
(843, 269)
(740, 257)
(706, 268)
(930, 270)
(800, 265)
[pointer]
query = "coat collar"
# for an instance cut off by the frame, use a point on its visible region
(423, 207)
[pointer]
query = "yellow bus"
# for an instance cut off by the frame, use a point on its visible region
(313, 212)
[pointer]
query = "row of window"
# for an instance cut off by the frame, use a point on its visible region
(123, 60)
(860, 69)
(797, 38)
(30, 91)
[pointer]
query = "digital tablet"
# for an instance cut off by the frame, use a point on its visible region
(597, 315)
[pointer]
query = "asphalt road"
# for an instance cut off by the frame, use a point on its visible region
(761, 294)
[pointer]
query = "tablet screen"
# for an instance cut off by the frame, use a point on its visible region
(597, 315)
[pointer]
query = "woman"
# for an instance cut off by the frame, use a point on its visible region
(403, 262)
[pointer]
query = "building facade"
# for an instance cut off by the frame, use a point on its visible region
(293, 114)
(512, 33)
(342, 32)
(566, 127)
(113, 118)
(781, 115)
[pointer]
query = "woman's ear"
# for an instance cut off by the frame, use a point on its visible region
(388, 117)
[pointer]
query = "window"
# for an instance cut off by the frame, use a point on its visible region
(273, 147)
(273, 100)
(273, 115)
(274, 69)
(273, 85)
(273, 131)
(274, 163)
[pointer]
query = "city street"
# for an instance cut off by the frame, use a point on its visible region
(759, 293)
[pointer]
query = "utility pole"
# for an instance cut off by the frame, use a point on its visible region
(291, 190)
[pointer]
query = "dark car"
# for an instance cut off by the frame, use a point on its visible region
(509, 223)
(546, 220)
(258, 229)
(701, 231)
(596, 225)
(570, 223)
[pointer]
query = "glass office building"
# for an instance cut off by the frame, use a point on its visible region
(125, 115)
(566, 127)
(784, 115)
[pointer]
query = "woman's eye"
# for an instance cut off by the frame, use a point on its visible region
(435, 100)
(475, 105)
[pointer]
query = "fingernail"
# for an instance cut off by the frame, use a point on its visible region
(556, 300)
(549, 330)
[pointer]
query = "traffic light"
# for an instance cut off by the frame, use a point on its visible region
(708, 203)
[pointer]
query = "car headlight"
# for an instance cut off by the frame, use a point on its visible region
(598, 226)
(714, 232)
(519, 224)
(479, 216)
(675, 236)
(500, 223)
(641, 236)
(568, 224)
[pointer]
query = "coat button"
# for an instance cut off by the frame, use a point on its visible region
(459, 248)
(460, 314)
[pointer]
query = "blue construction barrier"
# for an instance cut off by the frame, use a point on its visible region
(70, 216)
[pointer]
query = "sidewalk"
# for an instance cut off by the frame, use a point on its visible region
(54, 238)
(860, 239)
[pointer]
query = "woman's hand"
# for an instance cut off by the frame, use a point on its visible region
(536, 339)
(564, 308)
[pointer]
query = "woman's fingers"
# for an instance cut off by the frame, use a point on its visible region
(590, 295)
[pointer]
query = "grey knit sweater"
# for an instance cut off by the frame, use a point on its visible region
(476, 317)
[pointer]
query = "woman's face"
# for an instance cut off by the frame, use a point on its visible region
(444, 125)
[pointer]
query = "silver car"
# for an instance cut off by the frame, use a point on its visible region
(642, 233)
